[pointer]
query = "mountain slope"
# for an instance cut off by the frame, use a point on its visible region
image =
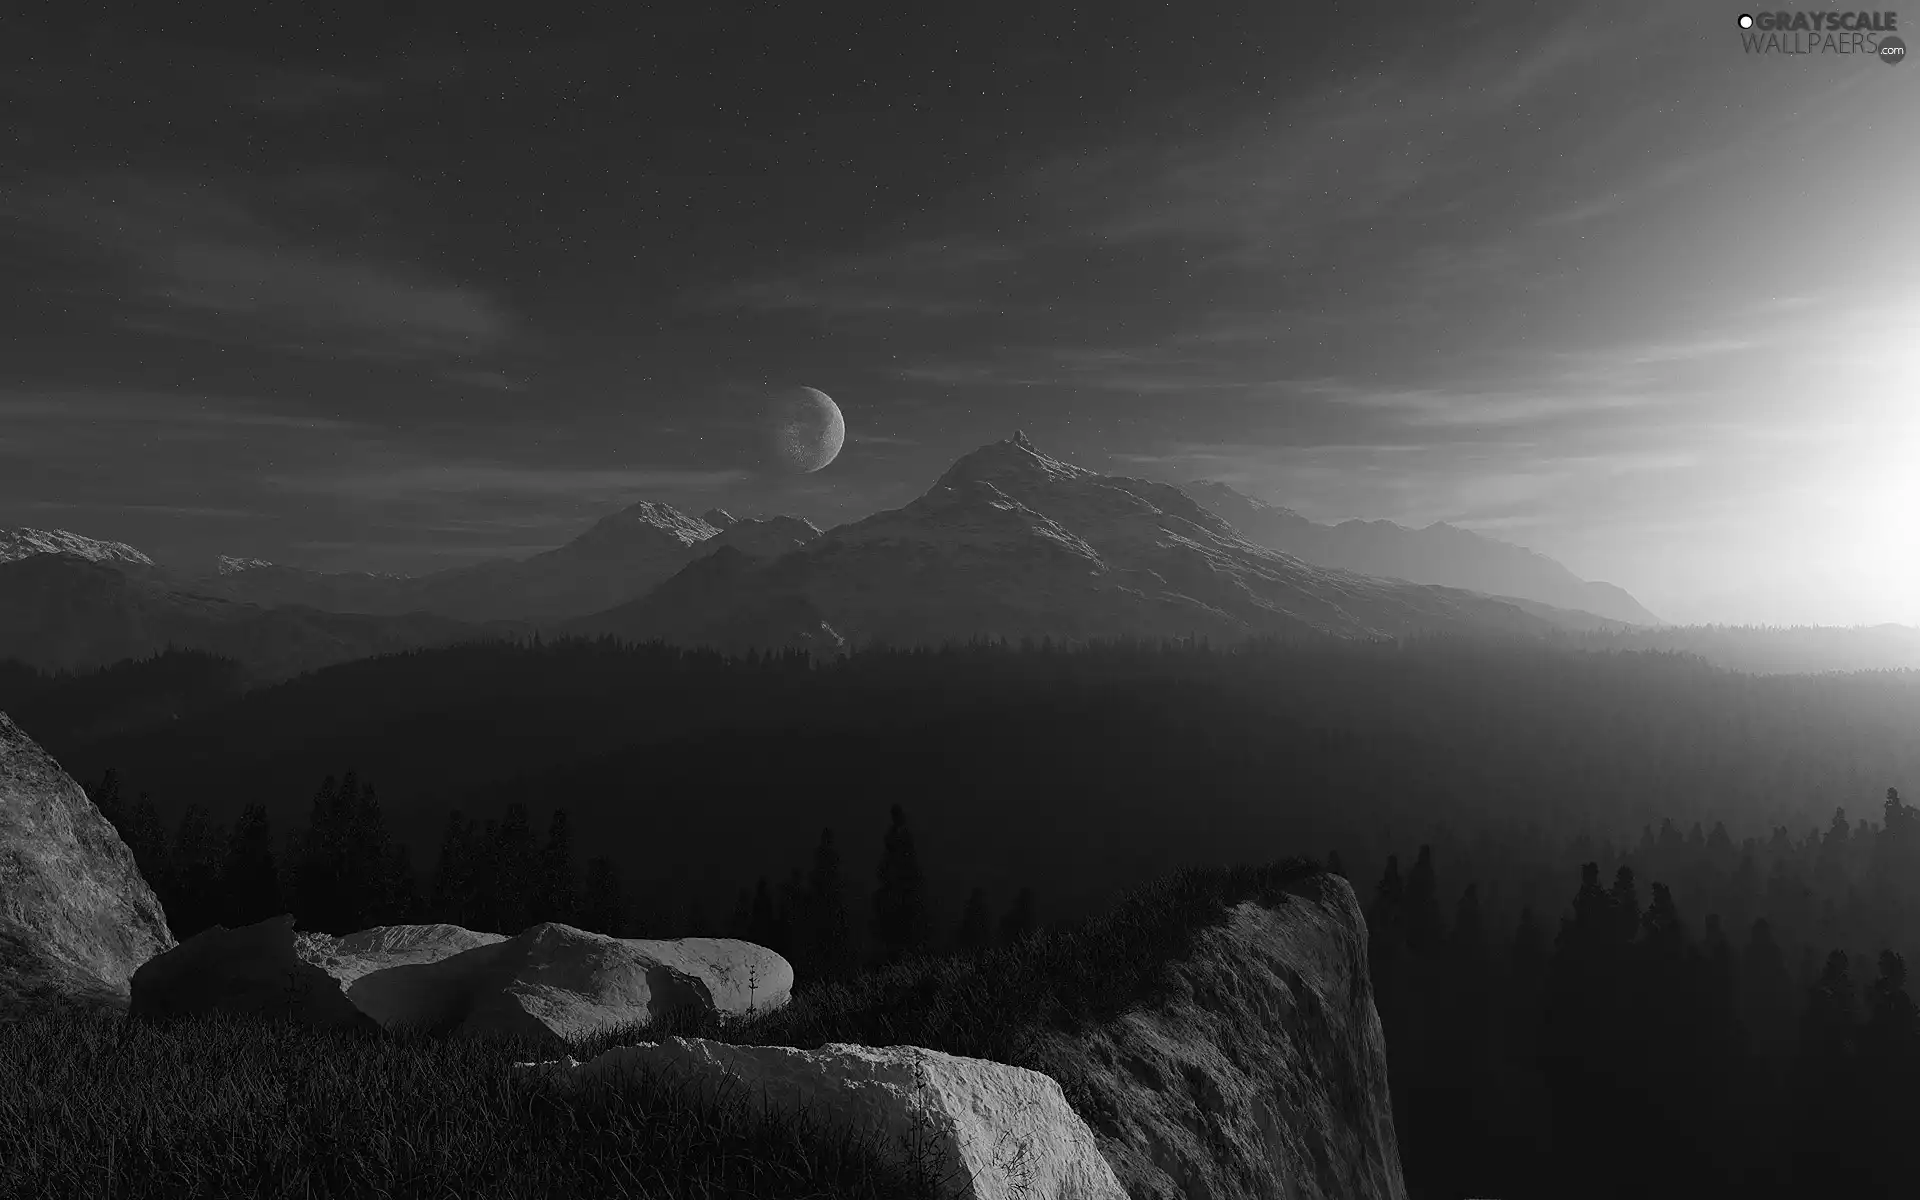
(1439, 554)
(61, 612)
(618, 557)
(19, 543)
(1013, 543)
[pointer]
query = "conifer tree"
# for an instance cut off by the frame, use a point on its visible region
(1420, 905)
(975, 931)
(449, 895)
(1386, 919)
(514, 858)
(828, 944)
(603, 903)
(250, 876)
(105, 795)
(900, 924)
(318, 858)
(193, 902)
(556, 895)
(763, 927)
(1022, 919)
(146, 836)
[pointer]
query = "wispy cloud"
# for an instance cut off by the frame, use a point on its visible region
(209, 265)
(936, 277)
(1439, 407)
(441, 480)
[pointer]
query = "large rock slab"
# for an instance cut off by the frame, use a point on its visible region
(991, 1131)
(551, 981)
(76, 918)
(1263, 1070)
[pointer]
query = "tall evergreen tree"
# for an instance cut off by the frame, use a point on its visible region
(194, 894)
(450, 893)
(514, 858)
(827, 941)
(105, 795)
(975, 931)
(603, 903)
(318, 862)
(1386, 917)
(1420, 905)
(250, 875)
(146, 836)
(1022, 918)
(763, 926)
(900, 919)
(556, 896)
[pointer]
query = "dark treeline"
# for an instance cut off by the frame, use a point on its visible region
(341, 872)
(1082, 772)
(1772, 648)
(1681, 1015)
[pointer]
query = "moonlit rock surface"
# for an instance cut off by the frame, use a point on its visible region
(76, 918)
(1000, 1132)
(550, 981)
(19, 543)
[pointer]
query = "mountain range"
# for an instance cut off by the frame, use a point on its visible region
(1009, 542)
(1440, 553)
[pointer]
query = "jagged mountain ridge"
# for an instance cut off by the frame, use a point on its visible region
(16, 544)
(1438, 554)
(61, 612)
(1011, 542)
(620, 556)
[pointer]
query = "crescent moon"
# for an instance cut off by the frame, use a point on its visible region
(807, 429)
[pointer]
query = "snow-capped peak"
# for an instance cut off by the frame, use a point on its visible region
(20, 543)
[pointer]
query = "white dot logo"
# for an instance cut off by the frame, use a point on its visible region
(1746, 20)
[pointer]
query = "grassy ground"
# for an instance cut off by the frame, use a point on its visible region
(92, 1105)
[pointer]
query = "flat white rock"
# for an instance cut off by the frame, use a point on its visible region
(551, 980)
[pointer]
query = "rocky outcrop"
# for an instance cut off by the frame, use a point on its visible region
(551, 981)
(988, 1130)
(1262, 1073)
(76, 918)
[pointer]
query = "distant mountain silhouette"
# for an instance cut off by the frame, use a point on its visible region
(65, 612)
(619, 557)
(1013, 543)
(1441, 554)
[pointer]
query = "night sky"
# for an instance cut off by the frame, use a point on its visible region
(397, 294)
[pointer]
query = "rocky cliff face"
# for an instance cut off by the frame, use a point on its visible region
(1264, 1071)
(76, 918)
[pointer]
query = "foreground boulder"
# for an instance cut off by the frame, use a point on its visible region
(551, 981)
(76, 918)
(989, 1131)
(1262, 1073)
